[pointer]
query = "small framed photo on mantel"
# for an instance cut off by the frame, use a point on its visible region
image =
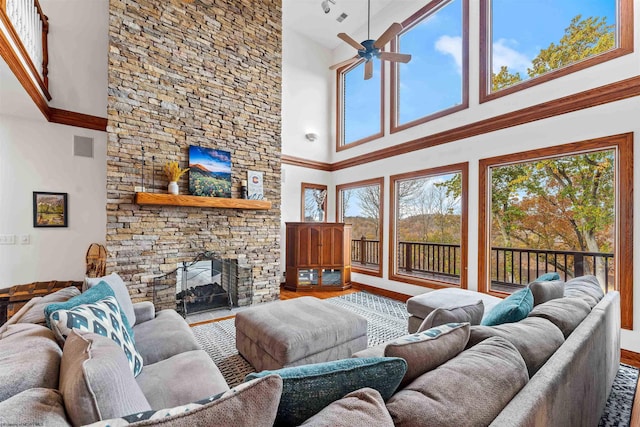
(255, 190)
(49, 209)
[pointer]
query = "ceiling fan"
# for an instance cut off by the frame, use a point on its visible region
(370, 49)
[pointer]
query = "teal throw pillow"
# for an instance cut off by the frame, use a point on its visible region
(307, 389)
(548, 277)
(513, 308)
(91, 295)
(102, 317)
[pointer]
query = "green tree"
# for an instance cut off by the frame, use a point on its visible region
(503, 79)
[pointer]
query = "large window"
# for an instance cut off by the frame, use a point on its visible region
(361, 205)
(429, 227)
(360, 112)
(434, 82)
(530, 41)
(564, 209)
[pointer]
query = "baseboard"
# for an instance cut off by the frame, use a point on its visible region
(382, 292)
(630, 358)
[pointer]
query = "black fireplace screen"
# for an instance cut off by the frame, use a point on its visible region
(206, 283)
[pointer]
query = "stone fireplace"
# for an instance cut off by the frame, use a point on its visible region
(184, 74)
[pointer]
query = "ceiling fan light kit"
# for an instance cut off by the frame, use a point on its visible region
(369, 49)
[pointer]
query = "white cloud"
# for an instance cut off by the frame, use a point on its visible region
(451, 46)
(504, 53)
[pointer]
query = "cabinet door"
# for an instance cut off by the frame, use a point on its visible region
(309, 239)
(332, 246)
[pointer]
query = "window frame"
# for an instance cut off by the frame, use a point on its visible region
(303, 187)
(339, 218)
(340, 73)
(429, 9)
(623, 255)
(625, 46)
(463, 169)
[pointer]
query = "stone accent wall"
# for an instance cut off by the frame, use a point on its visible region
(205, 73)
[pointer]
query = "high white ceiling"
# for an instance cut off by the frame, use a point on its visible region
(307, 18)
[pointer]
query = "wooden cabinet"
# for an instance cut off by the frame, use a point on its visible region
(318, 256)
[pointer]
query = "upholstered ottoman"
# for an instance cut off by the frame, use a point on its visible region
(421, 305)
(297, 332)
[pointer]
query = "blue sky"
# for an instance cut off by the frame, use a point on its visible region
(432, 80)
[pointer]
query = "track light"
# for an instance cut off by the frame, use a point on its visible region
(325, 5)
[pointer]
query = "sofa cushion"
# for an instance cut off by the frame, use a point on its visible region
(34, 407)
(307, 389)
(544, 291)
(165, 336)
(121, 292)
(96, 293)
(584, 287)
(566, 313)
(469, 390)
(180, 379)
(95, 380)
(250, 404)
(471, 313)
(363, 407)
(535, 338)
(513, 308)
(35, 313)
(22, 368)
(423, 304)
(427, 350)
(102, 317)
(548, 277)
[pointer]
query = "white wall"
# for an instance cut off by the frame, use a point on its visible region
(38, 156)
(609, 119)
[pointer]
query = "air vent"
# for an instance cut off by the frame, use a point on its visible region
(82, 146)
(342, 17)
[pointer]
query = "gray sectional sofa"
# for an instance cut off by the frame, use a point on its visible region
(556, 367)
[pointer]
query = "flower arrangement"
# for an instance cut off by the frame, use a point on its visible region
(173, 171)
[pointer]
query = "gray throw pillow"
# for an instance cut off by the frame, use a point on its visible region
(121, 292)
(586, 288)
(250, 404)
(536, 339)
(546, 291)
(565, 313)
(451, 395)
(34, 407)
(363, 407)
(471, 314)
(29, 357)
(95, 380)
(428, 349)
(35, 314)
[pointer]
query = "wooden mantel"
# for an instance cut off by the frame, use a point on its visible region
(200, 202)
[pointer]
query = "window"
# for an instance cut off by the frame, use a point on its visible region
(528, 42)
(360, 110)
(434, 82)
(314, 202)
(429, 227)
(564, 209)
(361, 205)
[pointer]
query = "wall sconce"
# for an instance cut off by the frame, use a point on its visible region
(311, 136)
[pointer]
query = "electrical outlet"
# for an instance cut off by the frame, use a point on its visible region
(7, 239)
(25, 239)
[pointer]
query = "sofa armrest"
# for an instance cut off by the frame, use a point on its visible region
(144, 311)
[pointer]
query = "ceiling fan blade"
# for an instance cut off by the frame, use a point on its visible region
(391, 32)
(368, 70)
(347, 38)
(395, 57)
(345, 62)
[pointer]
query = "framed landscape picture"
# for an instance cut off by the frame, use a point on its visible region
(209, 172)
(49, 209)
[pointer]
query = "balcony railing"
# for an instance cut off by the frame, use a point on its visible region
(511, 268)
(30, 28)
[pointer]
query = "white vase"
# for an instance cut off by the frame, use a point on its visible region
(173, 187)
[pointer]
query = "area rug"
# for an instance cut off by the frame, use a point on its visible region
(387, 319)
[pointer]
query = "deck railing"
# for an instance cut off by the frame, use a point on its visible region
(510, 267)
(30, 25)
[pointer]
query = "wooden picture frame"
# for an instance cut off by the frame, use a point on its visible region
(50, 209)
